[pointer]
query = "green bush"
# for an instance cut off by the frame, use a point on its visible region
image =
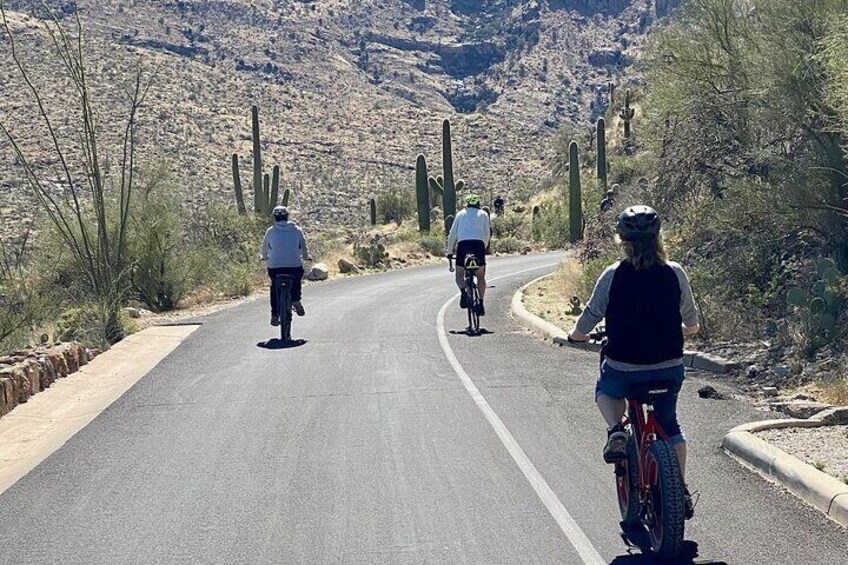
(396, 205)
(509, 225)
(432, 244)
(160, 274)
(507, 245)
(95, 324)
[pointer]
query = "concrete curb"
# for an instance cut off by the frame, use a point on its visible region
(804, 481)
(693, 359)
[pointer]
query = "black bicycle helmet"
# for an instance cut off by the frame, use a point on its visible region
(281, 214)
(638, 223)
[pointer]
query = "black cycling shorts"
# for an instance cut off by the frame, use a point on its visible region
(471, 247)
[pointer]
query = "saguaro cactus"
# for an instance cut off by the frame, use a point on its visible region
(602, 153)
(626, 116)
(237, 185)
(372, 205)
(275, 188)
(611, 90)
(575, 199)
(449, 187)
(265, 188)
(286, 195)
(422, 192)
(257, 162)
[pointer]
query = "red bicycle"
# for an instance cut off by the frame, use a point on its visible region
(650, 488)
(649, 483)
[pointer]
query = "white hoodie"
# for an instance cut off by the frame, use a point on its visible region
(470, 223)
(284, 246)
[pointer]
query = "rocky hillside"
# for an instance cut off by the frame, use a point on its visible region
(349, 90)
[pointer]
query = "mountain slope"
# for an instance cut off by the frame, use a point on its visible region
(349, 90)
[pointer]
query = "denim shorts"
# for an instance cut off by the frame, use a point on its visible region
(624, 384)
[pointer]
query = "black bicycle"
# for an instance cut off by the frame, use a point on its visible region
(472, 292)
(283, 284)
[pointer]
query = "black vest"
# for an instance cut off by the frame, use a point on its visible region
(643, 320)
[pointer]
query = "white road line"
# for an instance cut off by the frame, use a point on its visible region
(588, 554)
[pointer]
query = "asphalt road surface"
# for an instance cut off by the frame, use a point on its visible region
(389, 436)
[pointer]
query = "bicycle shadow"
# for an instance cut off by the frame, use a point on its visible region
(277, 343)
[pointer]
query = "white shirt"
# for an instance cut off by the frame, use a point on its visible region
(470, 223)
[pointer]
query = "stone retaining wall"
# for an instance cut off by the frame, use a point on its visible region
(28, 372)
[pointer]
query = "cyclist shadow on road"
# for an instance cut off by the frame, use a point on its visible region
(688, 556)
(277, 343)
(468, 333)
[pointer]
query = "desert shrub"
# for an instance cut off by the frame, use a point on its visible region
(94, 323)
(552, 225)
(161, 274)
(432, 244)
(396, 205)
(507, 245)
(509, 225)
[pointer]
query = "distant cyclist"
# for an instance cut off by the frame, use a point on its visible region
(284, 247)
(470, 234)
(499, 205)
(648, 305)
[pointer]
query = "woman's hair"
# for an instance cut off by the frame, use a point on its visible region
(645, 253)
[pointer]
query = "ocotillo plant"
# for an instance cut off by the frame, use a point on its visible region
(575, 202)
(237, 185)
(626, 116)
(372, 207)
(602, 154)
(422, 192)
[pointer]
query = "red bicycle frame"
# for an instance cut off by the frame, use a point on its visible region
(646, 430)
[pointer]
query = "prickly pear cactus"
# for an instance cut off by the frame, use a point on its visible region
(373, 254)
(820, 308)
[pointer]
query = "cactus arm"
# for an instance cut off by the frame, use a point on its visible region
(275, 187)
(258, 203)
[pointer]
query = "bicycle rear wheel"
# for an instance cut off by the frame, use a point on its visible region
(666, 506)
(286, 314)
(627, 484)
(473, 310)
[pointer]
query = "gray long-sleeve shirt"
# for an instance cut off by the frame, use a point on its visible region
(596, 309)
(284, 246)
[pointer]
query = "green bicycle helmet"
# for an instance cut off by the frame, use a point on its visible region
(473, 200)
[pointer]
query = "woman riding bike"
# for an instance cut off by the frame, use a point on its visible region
(649, 309)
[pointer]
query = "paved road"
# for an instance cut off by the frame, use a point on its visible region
(366, 445)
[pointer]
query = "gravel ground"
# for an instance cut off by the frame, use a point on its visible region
(826, 446)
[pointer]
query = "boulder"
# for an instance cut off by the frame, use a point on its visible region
(801, 409)
(318, 272)
(347, 266)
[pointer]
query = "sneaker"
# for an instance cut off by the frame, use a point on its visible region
(616, 447)
(298, 308)
(481, 310)
(275, 320)
(463, 300)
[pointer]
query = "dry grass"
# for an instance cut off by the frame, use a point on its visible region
(549, 297)
(836, 391)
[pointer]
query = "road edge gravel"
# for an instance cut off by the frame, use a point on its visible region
(814, 487)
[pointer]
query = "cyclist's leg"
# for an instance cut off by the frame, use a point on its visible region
(481, 281)
(275, 307)
(460, 278)
(610, 397)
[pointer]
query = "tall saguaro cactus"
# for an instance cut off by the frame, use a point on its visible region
(372, 208)
(422, 193)
(257, 162)
(626, 116)
(602, 153)
(449, 188)
(575, 198)
(237, 185)
(266, 189)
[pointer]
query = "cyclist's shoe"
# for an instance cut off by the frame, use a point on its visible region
(689, 501)
(298, 308)
(481, 310)
(463, 300)
(616, 447)
(275, 320)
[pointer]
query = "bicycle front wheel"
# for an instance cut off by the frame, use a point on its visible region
(666, 513)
